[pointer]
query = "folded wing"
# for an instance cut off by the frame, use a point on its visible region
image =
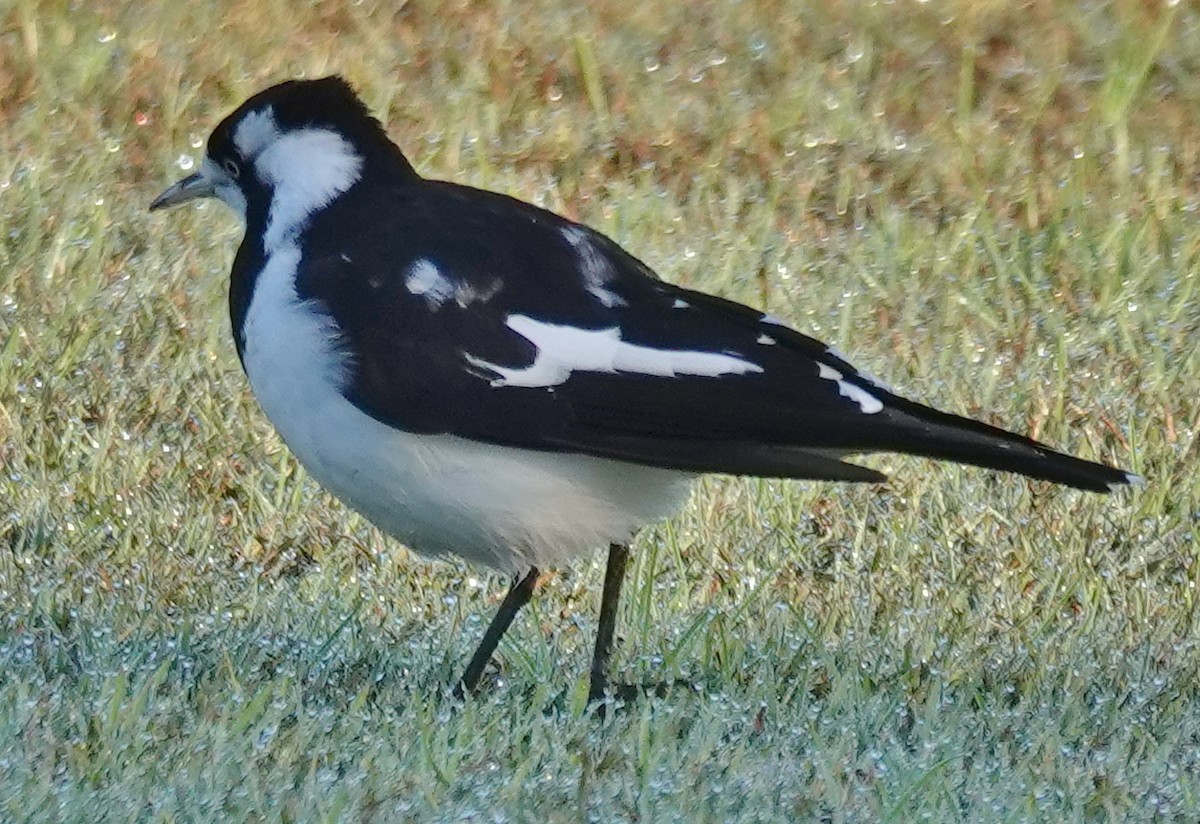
(539, 333)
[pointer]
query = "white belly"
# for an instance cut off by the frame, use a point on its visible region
(504, 507)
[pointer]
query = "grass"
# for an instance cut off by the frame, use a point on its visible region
(994, 208)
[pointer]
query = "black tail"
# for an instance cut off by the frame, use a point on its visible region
(933, 434)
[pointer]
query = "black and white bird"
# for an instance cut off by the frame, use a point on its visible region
(483, 378)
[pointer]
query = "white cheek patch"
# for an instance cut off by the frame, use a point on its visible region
(596, 270)
(868, 403)
(307, 169)
(256, 131)
(562, 350)
(426, 280)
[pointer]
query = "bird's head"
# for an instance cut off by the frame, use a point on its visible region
(289, 150)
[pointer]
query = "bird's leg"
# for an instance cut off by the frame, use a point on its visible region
(600, 689)
(614, 576)
(518, 596)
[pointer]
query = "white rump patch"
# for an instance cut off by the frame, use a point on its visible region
(307, 168)
(426, 280)
(256, 131)
(562, 350)
(596, 270)
(868, 403)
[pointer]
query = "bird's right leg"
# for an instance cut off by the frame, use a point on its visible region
(518, 596)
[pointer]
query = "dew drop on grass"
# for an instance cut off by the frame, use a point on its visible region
(185, 162)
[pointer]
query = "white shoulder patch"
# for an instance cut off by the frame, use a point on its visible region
(562, 350)
(426, 280)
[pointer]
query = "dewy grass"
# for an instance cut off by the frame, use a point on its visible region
(993, 208)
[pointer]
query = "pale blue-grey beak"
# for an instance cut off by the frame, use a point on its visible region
(190, 188)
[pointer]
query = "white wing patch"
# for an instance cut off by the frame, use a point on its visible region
(562, 350)
(867, 376)
(868, 403)
(596, 270)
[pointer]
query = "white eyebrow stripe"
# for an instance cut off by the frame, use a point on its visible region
(562, 350)
(257, 130)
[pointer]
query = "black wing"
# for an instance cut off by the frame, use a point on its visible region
(470, 313)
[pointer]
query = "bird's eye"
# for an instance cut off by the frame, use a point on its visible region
(232, 168)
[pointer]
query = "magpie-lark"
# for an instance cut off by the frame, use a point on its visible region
(483, 378)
